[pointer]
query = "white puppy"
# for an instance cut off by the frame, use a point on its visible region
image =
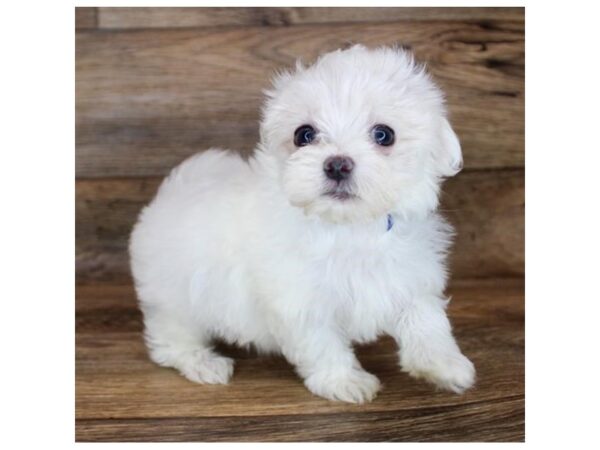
(327, 236)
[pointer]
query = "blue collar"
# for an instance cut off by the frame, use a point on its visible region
(390, 222)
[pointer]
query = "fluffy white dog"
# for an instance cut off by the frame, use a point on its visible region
(327, 236)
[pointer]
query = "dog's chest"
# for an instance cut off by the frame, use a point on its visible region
(362, 283)
(358, 267)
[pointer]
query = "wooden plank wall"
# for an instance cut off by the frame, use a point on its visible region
(155, 85)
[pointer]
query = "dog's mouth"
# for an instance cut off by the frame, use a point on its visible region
(340, 194)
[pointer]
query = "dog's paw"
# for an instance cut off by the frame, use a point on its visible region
(207, 368)
(452, 372)
(352, 386)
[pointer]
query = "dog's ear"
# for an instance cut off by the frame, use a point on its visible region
(278, 81)
(281, 78)
(448, 157)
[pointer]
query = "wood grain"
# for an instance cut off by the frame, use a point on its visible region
(128, 18)
(86, 18)
(487, 208)
(121, 395)
(147, 99)
(490, 421)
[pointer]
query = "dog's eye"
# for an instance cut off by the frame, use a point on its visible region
(304, 135)
(383, 135)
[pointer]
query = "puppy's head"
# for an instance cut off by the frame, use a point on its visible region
(359, 134)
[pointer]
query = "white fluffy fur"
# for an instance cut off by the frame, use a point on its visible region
(254, 254)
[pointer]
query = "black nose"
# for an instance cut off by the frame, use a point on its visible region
(338, 168)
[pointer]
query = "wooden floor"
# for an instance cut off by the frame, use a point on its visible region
(122, 396)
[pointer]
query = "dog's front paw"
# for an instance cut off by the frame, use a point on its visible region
(207, 367)
(452, 372)
(352, 386)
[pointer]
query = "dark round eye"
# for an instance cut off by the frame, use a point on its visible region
(383, 135)
(304, 135)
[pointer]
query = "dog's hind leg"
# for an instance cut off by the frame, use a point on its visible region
(174, 342)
